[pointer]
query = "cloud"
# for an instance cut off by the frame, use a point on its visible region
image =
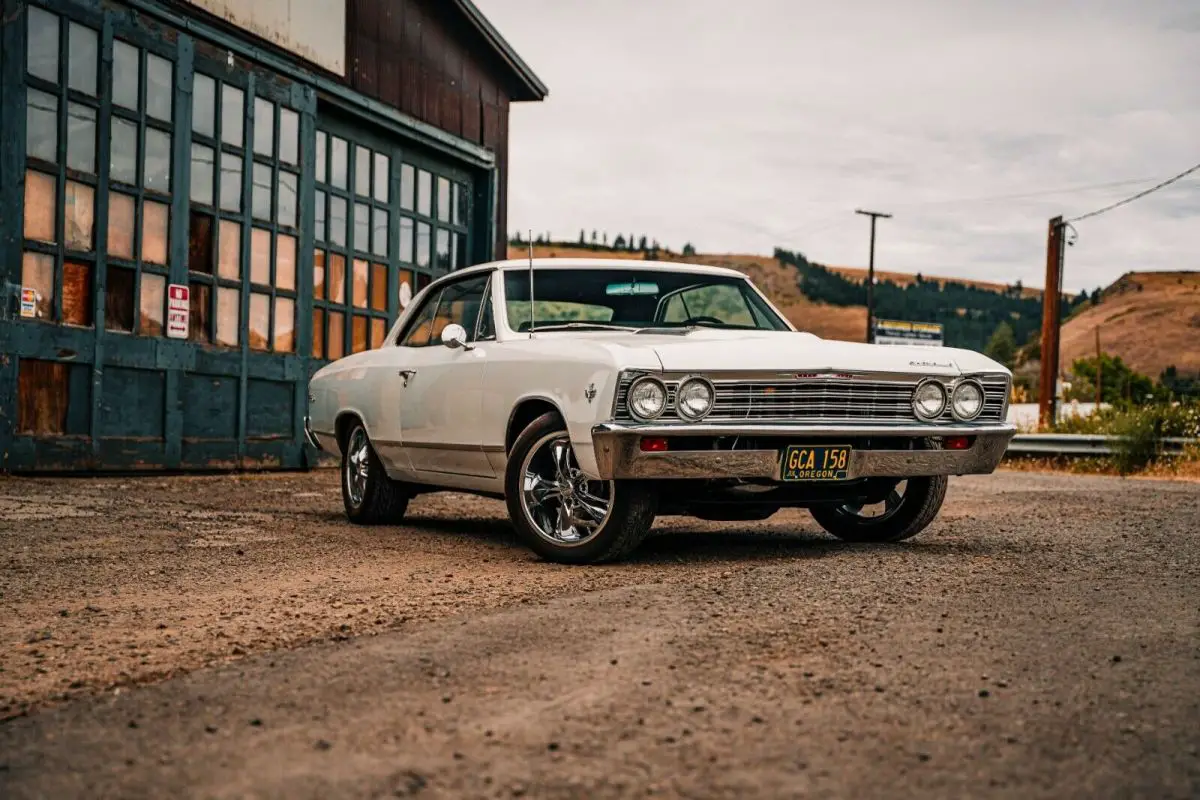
(973, 122)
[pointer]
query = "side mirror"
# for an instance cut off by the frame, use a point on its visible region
(454, 336)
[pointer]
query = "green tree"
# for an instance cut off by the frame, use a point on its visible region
(1003, 345)
(1118, 381)
(619, 242)
(582, 237)
(642, 243)
(688, 250)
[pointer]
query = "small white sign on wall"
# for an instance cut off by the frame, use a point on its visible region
(178, 311)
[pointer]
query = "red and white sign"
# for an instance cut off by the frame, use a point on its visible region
(178, 311)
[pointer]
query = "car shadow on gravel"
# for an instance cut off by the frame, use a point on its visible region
(675, 543)
(734, 544)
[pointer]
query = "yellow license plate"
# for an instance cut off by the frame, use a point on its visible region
(802, 462)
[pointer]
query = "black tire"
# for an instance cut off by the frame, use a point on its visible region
(632, 507)
(381, 499)
(922, 500)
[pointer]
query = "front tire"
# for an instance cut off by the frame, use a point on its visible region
(906, 511)
(561, 514)
(368, 494)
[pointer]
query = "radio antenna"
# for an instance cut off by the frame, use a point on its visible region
(531, 283)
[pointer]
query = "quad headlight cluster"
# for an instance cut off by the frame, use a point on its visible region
(931, 398)
(648, 399)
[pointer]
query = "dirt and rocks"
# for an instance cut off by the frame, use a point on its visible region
(233, 636)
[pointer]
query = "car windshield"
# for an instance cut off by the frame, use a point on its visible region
(577, 299)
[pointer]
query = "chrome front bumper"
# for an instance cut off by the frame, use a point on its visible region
(619, 454)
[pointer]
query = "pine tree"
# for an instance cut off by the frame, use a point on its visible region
(642, 244)
(1003, 345)
(582, 237)
(688, 250)
(619, 242)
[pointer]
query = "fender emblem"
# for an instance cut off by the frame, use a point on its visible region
(590, 392)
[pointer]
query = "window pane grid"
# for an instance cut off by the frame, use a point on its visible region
(267, 146)
(67, 168)
(351, 257)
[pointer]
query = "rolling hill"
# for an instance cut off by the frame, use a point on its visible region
(1150, 319)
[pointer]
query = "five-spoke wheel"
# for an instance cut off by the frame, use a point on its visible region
(368, 494)
(563, 514)
(564, 505)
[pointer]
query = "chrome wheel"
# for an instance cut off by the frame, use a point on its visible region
(357, 466)
(563, 505)
(878, 512)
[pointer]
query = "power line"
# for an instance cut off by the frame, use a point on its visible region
(838, 219)
(1140, 194)
(1024, 195)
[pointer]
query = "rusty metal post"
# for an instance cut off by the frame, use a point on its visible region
(1051, 318)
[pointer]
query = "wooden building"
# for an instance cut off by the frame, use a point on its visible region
(202, 202)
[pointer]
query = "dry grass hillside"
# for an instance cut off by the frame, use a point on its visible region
(1150, 319)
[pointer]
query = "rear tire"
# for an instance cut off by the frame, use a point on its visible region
(921, 501)
(560, 514)
(368, 494)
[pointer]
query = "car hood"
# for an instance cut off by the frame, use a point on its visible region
(788, 351)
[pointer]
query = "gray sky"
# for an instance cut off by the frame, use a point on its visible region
(682, 121)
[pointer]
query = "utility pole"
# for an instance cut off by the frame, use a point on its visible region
(871, 273)
(1051, 318)
(1099, 370)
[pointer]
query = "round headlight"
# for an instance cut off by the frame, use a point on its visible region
(929, 401)
(694, 399)
(967, 400)
(647, 398)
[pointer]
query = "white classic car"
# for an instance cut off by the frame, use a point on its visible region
(628, 389)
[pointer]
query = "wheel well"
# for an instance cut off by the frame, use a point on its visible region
(342, 427)
(525, 413)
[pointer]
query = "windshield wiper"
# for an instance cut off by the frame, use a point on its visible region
(581, 326)
(726, 326)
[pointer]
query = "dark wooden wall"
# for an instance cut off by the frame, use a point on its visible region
(421, 57)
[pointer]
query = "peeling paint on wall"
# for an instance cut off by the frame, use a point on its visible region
(315, 30)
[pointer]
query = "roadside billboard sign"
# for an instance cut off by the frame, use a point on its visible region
(926, 334)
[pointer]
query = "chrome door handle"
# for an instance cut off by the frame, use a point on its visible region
(406, 374)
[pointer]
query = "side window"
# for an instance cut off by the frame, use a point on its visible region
(720, 301)
(460, 304)
(418, 333)
(674, 310)
(486, 329)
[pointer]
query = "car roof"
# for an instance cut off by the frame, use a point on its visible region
(601, 263)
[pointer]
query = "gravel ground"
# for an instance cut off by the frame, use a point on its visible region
(234, 637)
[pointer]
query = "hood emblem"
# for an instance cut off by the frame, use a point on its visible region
(929, 364)
(821, 375)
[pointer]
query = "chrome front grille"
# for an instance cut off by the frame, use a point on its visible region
(831, 399)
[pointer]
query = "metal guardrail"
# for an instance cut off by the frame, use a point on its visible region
(1082, 444)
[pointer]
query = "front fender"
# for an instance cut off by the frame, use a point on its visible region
(583, 403)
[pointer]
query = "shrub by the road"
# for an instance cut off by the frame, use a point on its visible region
(1139, 430)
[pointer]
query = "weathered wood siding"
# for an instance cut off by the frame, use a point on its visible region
(420, 57)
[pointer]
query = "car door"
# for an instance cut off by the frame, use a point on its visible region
(441, 399)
